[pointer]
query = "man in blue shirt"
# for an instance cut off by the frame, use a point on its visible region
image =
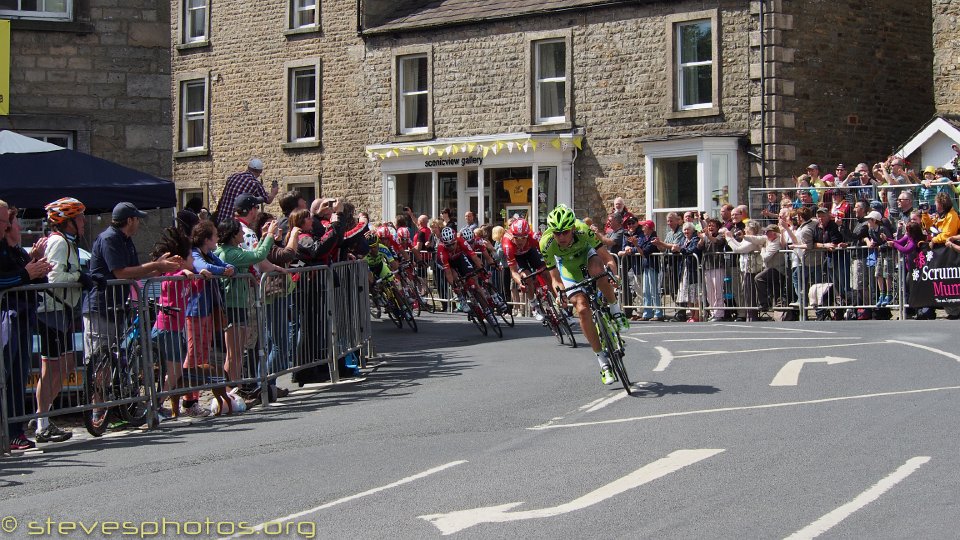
(115, 257)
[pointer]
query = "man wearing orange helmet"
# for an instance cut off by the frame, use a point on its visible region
(59, 310)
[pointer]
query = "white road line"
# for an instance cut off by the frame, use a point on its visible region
(373, 491)
(744, 408)
(758, 339)
(665, 358)
(690, 332)
(926, 348)
(691, 354)
(777, 328)
(597, 405)
(831, 519)
(633, 338)
(588, 405)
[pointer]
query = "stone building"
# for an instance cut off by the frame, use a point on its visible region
(946, 56)
(492, 105)
(279, 80)
(93, 75)
(659, 102)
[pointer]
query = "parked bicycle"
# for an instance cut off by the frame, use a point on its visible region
(115, 372)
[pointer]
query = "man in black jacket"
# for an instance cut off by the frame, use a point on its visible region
(827, 236)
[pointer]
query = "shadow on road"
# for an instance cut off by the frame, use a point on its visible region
(659, 390)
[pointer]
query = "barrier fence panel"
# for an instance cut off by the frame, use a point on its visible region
(664, 285)
(349, 294)
(58, 360)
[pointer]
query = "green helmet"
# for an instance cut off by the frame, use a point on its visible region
(561, 218)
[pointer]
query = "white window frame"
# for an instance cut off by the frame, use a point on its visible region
(204, 5)
(45, 136)
(680, 66)
(402, 96)
(296, 108)
(185, 116)
(40, 13)
(187, 193)
(708, 152)
(298, 8)
(538, 82)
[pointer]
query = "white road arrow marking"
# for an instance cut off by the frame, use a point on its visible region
(452, 522)
(665, 358)
(789, 374)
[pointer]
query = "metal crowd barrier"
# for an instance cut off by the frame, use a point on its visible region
(830, 283)
(46, 321)
(171, 337)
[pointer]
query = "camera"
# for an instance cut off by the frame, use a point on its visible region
(274, 184)
(924, 207)
(856, 175)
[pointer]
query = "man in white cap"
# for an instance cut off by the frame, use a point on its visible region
(247, 181)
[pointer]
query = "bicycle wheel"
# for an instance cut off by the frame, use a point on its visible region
(406, 312)
(98, 383)
(477, 320)
(610, 341)
(429, 302)
(132, 386)
(488, 312)
(375, 310)
(550, 317)
(393, 309)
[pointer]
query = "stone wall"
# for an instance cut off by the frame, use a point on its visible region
(104, 76)
(946, 56)
(619, 87)
(859, 79)
(245, 58)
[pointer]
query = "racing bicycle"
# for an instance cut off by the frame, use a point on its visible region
(607, 329)
(553, 317)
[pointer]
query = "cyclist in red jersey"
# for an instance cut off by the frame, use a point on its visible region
(457, 259)
(477, 245)
(522, 253)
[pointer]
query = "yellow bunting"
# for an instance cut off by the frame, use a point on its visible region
(556, 143)
(578, 142)
(485, 150)
(471, 147)
(533, 143)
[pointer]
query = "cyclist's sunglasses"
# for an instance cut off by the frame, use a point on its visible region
(563, 232)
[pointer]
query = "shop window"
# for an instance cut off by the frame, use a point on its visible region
(193, 115)
(303, 14)
(413, 94)
(550, 86)
(57, 10)
(196, 21)
(413, 190)
(304, 109)
(675, 182)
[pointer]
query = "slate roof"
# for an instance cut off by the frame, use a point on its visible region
(452, 12)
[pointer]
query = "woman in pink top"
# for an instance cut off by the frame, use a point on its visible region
(167, 333)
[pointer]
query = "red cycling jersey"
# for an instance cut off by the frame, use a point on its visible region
(444, 253)
(510, 249)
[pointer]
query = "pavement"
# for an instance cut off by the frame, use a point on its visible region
(734, 430)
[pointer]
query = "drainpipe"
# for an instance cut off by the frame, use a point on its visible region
(360, 19)
(763, 94)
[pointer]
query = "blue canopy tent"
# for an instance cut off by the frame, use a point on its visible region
(33, 173)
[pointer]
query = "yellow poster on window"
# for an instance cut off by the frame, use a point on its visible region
(4, 67)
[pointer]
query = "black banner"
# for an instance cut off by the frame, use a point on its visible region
(935, 282)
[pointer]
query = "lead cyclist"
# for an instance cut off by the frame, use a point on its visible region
(568, 245)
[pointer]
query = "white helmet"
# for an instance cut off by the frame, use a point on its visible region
(447, 236)
(467, 234)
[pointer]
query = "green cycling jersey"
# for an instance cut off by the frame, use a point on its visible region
(571, 258)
